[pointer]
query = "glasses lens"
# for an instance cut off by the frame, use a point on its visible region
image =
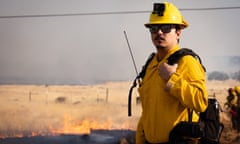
(164, 28)
(154, 28)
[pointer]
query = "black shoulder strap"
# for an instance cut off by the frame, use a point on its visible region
(175, 57)
(139, 76)
(144, 68)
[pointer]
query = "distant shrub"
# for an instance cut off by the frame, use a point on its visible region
(60, 99)
(216, 75)
(236, 76)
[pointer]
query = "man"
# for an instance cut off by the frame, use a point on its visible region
(167, 91)
(233, 103)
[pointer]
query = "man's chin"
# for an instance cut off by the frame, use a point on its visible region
(159, 47)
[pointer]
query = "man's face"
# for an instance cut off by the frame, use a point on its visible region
(164, 36)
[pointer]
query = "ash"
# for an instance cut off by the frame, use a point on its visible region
(95, 137)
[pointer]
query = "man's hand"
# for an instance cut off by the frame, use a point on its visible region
(166, 70)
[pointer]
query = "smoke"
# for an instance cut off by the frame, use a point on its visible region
(75, 50)
(92, 49)
(228, 64)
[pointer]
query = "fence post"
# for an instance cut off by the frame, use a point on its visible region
(46, 86)
(30, 96)
(107, 93)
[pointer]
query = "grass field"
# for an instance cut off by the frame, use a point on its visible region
(28, 110)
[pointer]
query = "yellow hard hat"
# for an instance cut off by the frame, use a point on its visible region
(166, 13)
(237, 89)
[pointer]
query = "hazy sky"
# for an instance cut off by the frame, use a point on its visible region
(83, 49)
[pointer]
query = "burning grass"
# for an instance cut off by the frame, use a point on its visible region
(28, 111)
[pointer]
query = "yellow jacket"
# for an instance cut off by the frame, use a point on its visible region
(234, 101)
(161, 109)
(235, 92)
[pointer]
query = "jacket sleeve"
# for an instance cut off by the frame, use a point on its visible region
(188, 84)
(140, 139)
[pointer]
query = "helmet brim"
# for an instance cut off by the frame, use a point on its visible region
(183, 25)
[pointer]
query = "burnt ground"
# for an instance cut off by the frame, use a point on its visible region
(229, 136)
(95, 137)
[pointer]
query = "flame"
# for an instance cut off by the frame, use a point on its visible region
(72, 126)
(84, 126)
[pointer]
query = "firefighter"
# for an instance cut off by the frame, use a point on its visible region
(233, 102)
(167, 91)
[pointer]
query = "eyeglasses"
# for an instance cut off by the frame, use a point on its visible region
(165, 28)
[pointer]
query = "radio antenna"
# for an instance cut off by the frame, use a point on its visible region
(130, 50)
(135, 81)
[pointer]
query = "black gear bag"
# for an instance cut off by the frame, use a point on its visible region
(208, 129)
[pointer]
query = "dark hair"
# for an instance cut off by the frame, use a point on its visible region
(178, 27)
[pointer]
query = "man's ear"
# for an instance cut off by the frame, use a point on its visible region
(178, 32)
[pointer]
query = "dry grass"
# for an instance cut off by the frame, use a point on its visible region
(31, 109)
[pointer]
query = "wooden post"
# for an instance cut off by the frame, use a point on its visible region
(46, 94)
(30, 96)
(107, 92)
(71, 94)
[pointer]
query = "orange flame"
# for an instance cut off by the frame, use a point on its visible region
(80, 127)
(73, 126)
